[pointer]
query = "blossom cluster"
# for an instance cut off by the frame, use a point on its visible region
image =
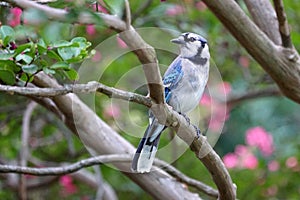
(243, 155)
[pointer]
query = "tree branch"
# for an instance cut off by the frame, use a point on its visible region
(93, 131)
(185, 131)
(144, 52)
(90, 180)
(90, 87)
(264, 16)
(61, 14)
(283, 24)
(280, 63)
(24, 147)
(272, 91)
(67, 169)
(185, 179)
(128, 14)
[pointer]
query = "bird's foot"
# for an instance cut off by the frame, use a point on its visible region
(197, 131)
(189, 121)
(186, 118)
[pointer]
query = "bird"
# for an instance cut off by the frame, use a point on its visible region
(184, 82)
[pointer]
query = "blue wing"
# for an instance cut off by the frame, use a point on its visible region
(172, 77)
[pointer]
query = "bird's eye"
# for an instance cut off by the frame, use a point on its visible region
(192, 39)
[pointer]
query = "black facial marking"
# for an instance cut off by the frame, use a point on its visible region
(185, 36)
(187, 39)
(197, 59)
(203, 44)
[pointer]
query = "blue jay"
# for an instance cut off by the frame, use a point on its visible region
(184, 83)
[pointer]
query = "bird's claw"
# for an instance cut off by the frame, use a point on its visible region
(189, 121)
(186, 118)
(197, 131)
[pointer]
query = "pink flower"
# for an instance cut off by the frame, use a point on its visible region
(15, 17)
(90, 29)
(67, 184)
(291, 162)
(230, 160)
(175, 10)
(121, 43)
(249, 161)
(206, 100)
(261, 139)
(241, 150)
(273, 166)
(241, 158)
(112, 111)
(246, 157)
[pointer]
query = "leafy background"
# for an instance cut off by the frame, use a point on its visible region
(30, 43)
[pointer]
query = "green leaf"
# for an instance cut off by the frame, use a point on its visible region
(41, 49)
(7, 40)
(30, 69)
(75, 59)
(6, 56)
(24, 77)
(61, 43)
(26, 58)
(23, 47)
(81, 41)
(68, 52)
(48, 71)
(71, 74)
(41, 46)
(60, 65)
(54, 55)
(7, 34)
(42, 43)
(116, 7)
(9, 65)
(42, 63)
(7, 77)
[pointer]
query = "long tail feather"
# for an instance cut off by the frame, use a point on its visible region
(145, 153)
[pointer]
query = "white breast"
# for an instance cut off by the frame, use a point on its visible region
(186, 96)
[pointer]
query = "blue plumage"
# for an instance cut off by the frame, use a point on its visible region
(184, 83)
(172, 77)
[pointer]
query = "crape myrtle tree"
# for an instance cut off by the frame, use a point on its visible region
(62, 119)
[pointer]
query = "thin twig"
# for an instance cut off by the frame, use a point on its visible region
(62, 15)
(283, 24)
(128, 14)
(100, 183)
(24, 152)
(90, 87)
(183, 178)
(112, 158)
(268, 92)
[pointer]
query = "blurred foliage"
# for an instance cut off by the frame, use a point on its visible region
(20, 62)
(30, 43)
